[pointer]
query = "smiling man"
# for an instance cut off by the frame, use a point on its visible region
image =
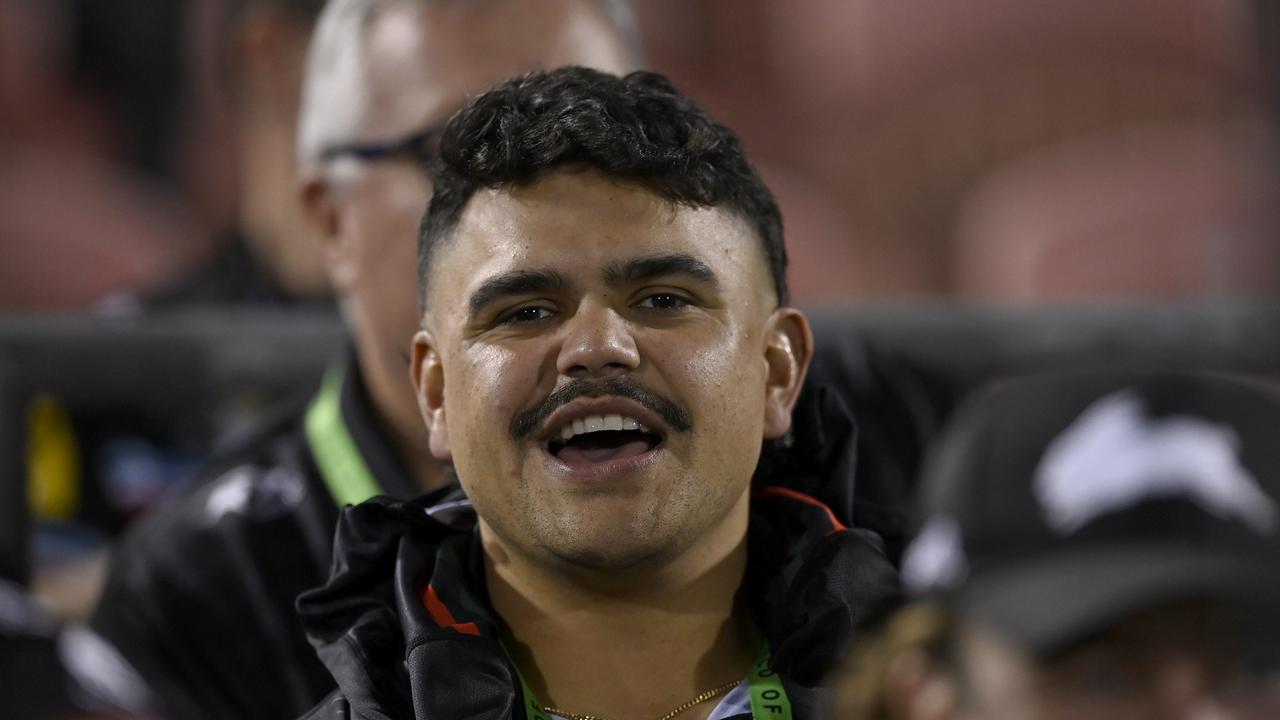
(606, 347)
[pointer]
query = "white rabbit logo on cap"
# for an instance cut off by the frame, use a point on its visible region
(1114, 456)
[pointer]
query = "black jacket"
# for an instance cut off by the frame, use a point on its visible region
(810, 582)
(200, 593)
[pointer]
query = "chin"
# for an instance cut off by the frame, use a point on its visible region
(608, 548)
(614, 559)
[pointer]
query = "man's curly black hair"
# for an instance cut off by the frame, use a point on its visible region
(637, 128)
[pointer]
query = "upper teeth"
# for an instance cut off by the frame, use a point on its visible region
(597, 423)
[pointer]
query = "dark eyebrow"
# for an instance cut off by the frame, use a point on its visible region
(653, 266)
(516, 282)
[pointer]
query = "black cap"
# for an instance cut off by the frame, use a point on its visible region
(1059, 504)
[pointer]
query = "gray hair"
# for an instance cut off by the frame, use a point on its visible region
(333, 88)
(334, 91)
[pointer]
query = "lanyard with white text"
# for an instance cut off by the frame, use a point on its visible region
(768, 697)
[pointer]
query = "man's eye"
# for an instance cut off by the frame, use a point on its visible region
(529, 313)
(663, 301)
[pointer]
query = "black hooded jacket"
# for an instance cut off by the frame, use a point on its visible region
(405, 626)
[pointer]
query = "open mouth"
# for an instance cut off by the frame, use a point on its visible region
(600, 438)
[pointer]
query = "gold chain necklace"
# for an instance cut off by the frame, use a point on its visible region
(701, 698)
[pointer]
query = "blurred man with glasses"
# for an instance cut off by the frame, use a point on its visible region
(200, 595)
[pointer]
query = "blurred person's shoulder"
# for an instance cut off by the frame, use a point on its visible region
(199, 594)
(256, 483)
(255, 493)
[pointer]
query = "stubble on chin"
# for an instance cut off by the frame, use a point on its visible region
(620, 534)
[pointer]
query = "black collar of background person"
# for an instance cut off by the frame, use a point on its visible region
(348, 440)
(859, 432)
(385, 634)
(1060, 504)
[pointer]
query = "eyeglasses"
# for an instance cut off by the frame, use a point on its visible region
(420, 147)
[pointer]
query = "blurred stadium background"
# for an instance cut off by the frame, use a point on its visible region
(982, 186)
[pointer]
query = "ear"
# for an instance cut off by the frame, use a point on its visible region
(916, 688)
(320, 206)
(788, 350)
(427, 376)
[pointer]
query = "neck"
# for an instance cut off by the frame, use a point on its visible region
(408, 439)
(626, 645)
(415, 456)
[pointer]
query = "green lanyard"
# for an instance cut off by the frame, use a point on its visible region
(341, 465)
(768, 697)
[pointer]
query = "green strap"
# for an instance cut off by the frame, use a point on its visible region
(532, 708)
(768, 697)
(343, 468)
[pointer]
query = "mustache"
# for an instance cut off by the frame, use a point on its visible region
(525, 422)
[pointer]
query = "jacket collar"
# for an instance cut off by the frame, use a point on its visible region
(407, 594)
(819, 455)
(406, 599)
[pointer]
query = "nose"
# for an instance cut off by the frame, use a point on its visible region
(597, 342)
